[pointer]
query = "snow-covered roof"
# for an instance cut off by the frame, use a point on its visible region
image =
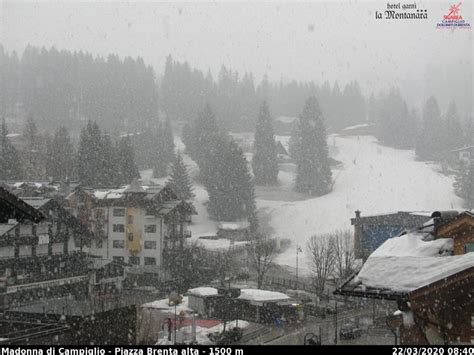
(256, 295)
(164, 304)
(36, 202)
(232, 226)
(203, 291)
(362, 125)
(463, 148)
(286, 119)
(409, 262)
(108, 194)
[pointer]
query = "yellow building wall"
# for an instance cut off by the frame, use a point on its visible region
(134, 245)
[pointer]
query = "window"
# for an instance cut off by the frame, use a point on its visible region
(150, 244)
(119, 228)
(119, 212)
(150, 228)
(98, 244)
(119, 259)
(469, 248)
(130, 220)
(118, 244)
(130, 237)
(134, 260)
(150, 261)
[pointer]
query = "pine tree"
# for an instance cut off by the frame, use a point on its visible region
(294, 143)
(110, 169)
(10, 164)
(313, 170)
(453, 131)
(186, 136)
(161, 159)
(60, 154)
(168, 140)
(179, 179)
(203, 129)
(89, 163)
(264, 162)
(33, 159)
(204, 132)
(127, 169)
(465, 183)
(230, 187)
(428, 144)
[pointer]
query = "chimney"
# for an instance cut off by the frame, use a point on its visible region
(357, 214)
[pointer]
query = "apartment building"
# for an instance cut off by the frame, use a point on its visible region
(134, 224)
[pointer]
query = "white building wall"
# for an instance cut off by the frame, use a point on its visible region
(8, 251)
(25, 250)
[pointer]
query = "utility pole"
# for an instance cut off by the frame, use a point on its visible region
(298, 250)
(335, 328)
(175, 323)
(373, 311)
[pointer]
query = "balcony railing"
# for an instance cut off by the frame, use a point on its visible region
(178, 235)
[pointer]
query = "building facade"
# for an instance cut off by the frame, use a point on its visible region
(42, 250)
(133, 225)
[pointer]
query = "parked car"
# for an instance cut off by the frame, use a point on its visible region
(350, 331)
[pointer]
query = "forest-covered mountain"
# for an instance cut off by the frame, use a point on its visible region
(124, 95)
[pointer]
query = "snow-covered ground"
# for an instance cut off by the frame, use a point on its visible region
(373, 179)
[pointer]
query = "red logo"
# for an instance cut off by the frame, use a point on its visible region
(453, 12)
(453, 19)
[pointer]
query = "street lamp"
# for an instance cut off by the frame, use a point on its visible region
(335, 328)
(175, 322)
(298, 250)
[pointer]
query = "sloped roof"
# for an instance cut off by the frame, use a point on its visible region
(36, 202)
(406, 263)
(256, 295)
(134, 187)
(9, 203)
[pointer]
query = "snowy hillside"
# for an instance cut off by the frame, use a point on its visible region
(373, 179)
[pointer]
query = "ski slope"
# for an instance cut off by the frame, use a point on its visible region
(373, 179)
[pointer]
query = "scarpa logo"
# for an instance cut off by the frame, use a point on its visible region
(453, 19)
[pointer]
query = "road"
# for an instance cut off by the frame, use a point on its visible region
(326, 327)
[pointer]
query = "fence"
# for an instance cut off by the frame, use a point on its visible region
(289, 283)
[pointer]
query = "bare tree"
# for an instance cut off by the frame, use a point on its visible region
(321, 252)
(344, 257)
(224, 265)
(261, 251)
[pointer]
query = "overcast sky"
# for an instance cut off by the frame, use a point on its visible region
(334, 40)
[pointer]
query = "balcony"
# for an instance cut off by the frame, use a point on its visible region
(33, 269)
(178, 235)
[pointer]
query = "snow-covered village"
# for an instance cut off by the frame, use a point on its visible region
(223, 173)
